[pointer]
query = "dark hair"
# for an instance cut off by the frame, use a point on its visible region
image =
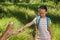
(43, 7)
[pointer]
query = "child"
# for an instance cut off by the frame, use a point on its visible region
(44, 25)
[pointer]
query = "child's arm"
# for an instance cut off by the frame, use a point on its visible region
(50, 29)
(21, 29)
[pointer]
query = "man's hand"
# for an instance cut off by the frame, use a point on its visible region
(16, 32)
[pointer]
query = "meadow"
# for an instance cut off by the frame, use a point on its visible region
(22, 13)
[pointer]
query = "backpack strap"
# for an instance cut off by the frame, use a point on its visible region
(48, 20)
(37, 23)
(38, 20)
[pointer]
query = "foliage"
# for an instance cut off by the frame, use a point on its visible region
(23, 11)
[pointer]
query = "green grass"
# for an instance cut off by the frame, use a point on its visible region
(23, 14)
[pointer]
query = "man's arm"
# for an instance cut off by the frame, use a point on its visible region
(21, 29)
(4, 36)
(50, 29)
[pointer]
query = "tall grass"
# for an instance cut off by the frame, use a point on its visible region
(21, 14)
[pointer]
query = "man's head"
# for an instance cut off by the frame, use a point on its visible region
(42, 10)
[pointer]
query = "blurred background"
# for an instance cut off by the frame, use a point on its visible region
(24, 11)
